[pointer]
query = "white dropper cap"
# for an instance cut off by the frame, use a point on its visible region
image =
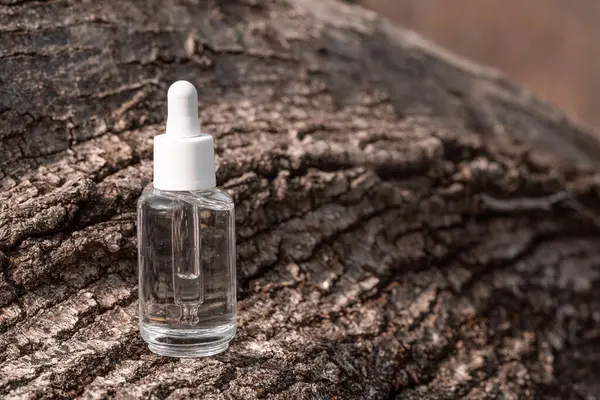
(184, 158)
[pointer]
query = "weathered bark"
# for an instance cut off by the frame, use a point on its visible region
(410, 225)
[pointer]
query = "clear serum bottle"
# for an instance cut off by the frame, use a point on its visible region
(186, 241)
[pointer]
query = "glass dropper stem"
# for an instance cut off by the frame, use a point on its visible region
(188, 286)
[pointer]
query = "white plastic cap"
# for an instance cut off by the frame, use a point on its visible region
(184, 158)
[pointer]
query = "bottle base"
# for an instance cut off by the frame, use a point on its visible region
(187, 343)
(180, 351)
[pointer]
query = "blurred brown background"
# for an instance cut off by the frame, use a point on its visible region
(551, 46)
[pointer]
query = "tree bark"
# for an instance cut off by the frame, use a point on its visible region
(410, 225)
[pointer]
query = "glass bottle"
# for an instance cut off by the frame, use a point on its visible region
(186, 241)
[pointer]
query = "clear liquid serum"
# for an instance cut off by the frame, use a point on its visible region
(186, 241)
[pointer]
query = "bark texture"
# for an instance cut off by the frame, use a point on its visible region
(410, 225)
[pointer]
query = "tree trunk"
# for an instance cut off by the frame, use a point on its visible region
(410, 225)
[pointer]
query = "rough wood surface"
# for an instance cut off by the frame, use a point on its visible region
(410, 225)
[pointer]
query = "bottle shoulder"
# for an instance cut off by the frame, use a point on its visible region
(213, 198)
(215, 194)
